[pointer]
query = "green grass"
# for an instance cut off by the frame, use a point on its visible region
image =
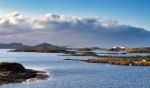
(135, 61)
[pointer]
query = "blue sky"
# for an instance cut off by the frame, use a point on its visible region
(103, 23)
(130, 12)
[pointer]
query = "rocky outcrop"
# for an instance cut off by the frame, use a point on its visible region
(16, 73)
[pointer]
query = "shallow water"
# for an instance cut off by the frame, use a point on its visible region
(75, 74)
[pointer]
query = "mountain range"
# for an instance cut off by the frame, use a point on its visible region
(20, 45)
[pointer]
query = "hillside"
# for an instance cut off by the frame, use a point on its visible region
(12, 46)
(20, 45)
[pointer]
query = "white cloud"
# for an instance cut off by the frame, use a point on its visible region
(60, 29)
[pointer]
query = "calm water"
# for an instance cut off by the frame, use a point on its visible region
(75, 74)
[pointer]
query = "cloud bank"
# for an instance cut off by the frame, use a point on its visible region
(70, 30)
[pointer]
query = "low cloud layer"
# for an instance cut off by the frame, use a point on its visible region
(70, 30)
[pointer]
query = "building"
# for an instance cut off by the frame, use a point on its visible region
(118, 48)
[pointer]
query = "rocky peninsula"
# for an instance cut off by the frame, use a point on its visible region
(17, 73)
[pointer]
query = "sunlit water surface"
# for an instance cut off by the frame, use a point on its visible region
(75, 74)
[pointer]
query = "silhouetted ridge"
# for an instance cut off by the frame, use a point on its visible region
(46, 45)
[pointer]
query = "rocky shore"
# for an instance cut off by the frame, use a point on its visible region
(17, 73)
(125, 61)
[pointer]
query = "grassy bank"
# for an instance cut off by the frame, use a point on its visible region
(134, 61)
(138, 50)
(74, 53)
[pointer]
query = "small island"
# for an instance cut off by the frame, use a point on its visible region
(17, 73)
(76, 53)
(124, 61)
(130, 50)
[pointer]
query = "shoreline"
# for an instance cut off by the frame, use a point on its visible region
(121, 61)
(16, 73)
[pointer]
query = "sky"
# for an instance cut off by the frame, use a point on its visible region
(89, 22)
(132, 12)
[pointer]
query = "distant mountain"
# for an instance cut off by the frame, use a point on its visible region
(42, 48)
(12, 46)
(20, 45)
(46, 45)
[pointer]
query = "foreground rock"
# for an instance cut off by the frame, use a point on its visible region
(16, 73)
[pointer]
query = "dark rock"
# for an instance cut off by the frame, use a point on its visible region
(14, 67)
(16, 73)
